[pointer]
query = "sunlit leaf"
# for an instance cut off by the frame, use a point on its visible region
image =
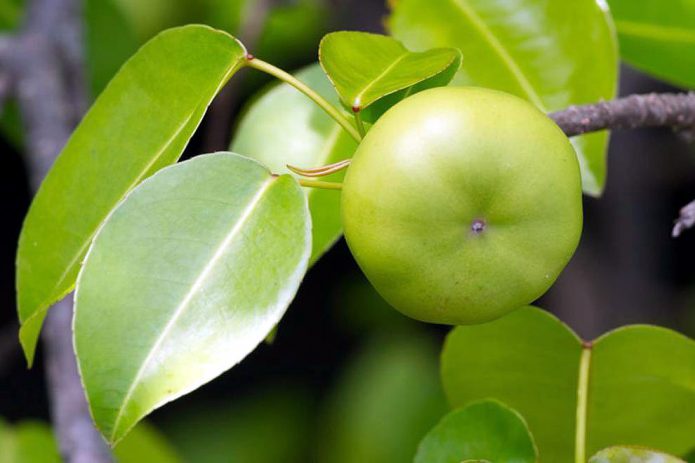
(641, 383)
(658, 37)
(553, 53)
(139, 124)
(632, 455)
(482, 431)
(284, 127)
(185, 278)
(365, 68)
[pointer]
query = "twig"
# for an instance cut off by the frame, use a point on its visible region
(675, 110)
(685, 220)
(44, 62)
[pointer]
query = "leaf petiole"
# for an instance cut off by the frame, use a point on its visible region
(320, 184)
(286, 77)
(358, 122)
(582, 401)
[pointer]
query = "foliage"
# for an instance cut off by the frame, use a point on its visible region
(184, 269)
(485, 430)
(639, 389)
(530, 49)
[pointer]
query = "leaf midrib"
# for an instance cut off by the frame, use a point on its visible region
(195, 286)
(61, 280)
(357, 100)
(80, 252)
(502, 52)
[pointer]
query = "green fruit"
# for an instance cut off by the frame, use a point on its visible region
(462, 204)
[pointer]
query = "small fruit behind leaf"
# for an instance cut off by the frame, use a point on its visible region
(462, 204)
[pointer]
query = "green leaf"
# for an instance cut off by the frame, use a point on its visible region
(643, 388)
(184, 279)
(34, 443)
(553, 53)
(485, 430)
(140, 123)
(283, 127)
(384, 402)
(641, 383)
(658, 37)
(145, 443)
(539, 353)
(632, 455)
(103, 21)
(365, 68)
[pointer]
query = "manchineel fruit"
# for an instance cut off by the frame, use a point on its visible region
(462, 204)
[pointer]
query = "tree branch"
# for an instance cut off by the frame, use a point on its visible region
(675, 110)
(44, 64)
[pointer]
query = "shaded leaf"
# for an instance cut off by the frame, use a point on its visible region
(482, 431)
(658, 37)
(104, 20)
(34, 443)
(641, 386)
(530, 48)
(282, 127)
(139, 124)
(365, 68)
(385, 401)
(145, 443)
(185, 278)
(268, 424)
(632, 455)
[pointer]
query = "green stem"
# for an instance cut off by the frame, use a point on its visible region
(358, 122)
(582, 401)
(320, 184)
(318, 99)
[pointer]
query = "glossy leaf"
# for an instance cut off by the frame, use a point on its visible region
(642, 390)
(658, 37)
(632, 455)
(283, 127)
(384, 402)
(553, 53)
(139, 124)
(365, 68)
(641, 386)
(539, 353)
(185, 278)
(486, 430)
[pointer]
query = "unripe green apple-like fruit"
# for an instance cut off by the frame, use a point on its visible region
(462, 204)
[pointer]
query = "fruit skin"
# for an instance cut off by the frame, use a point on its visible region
(462, 204)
